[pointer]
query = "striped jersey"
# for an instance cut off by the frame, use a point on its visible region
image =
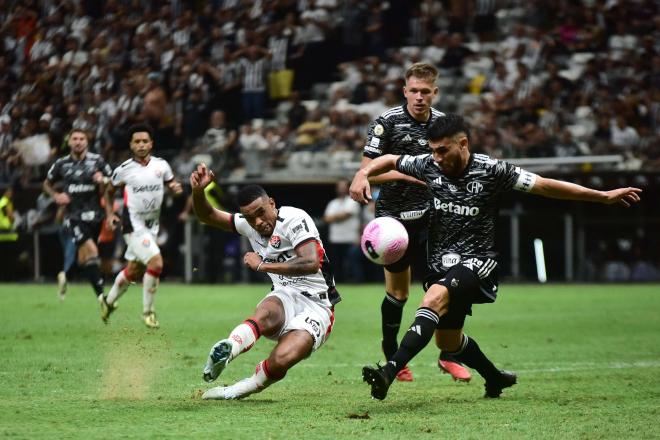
(292, 228)
(77, 176)
(144, 188)
(464, 209)
(397, 132)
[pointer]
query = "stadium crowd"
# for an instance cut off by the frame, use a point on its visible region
(248, 86)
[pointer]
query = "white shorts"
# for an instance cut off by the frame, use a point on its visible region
(302, 313)
(140, 246)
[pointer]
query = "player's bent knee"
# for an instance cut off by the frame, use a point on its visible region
(155, 263)
(436, 298)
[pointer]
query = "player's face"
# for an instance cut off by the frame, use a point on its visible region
(141, 145)
(77, 143)
(451, 154)
(261, 215)
(419, 95)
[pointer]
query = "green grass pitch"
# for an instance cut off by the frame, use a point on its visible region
(587, 356)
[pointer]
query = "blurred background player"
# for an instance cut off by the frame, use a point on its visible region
(402, 130)
(343, 217)
(298, 312)
(83, 175)
(462, 255)
(143, 178)
(68, 253)
(108, 241)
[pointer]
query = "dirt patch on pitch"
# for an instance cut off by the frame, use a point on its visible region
(130, 362)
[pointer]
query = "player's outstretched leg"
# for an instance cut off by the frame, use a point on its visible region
(150, 282)
(92, 268)
(119, 287)
(240, 340)
(259, 381)
(496, 380)
(61, 285)
(416, 338)
(391, 310)
(450, 365)
(291, 348)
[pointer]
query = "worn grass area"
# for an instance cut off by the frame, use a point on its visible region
(588, 358)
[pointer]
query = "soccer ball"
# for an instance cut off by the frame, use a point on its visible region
(384, 240)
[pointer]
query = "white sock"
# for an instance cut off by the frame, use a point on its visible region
(256, 383)
(149, 287)
(242, 338)
(118, 288)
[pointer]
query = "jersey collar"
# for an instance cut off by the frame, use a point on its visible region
(144, 164)
(405, 110)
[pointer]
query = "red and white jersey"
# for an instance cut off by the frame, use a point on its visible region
(144, 187)
(292, 228)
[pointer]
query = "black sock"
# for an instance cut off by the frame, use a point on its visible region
(93, 271)
(416, 338)
(391, 311)
(471, 355)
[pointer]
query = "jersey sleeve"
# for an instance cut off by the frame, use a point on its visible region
(168, 175)
(301, 228)
(53, 174)
(118, 177)
(104, 168)
(378, 139)
(413, 165)
(513, 177)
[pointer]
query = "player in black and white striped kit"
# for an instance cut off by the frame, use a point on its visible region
(402, 130)
(84, 176)
(462, 256)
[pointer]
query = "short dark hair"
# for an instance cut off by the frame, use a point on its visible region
(249, 194)
(447, 126)
(139, 128)
(77, 130)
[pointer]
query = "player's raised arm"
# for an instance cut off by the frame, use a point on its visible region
(558, 189)
(200, 179)
(360, 187)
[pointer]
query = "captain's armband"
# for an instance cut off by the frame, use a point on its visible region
(525, 181)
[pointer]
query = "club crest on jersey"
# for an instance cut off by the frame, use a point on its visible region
(422, 141)
(275, 241)
(378, 130)
(146, 242)
(475, 187)
(159, 173)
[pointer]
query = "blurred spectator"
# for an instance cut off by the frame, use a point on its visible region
(342, 214)
(253, 62)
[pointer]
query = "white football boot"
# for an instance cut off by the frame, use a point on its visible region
(239, 390)
(218, 360)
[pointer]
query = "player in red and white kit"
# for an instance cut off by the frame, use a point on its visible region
(144, 178)
(298, 312)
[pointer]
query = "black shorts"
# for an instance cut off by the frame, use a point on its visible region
(82, 231)
(473, 281)
(417, 237)
(107, 249)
